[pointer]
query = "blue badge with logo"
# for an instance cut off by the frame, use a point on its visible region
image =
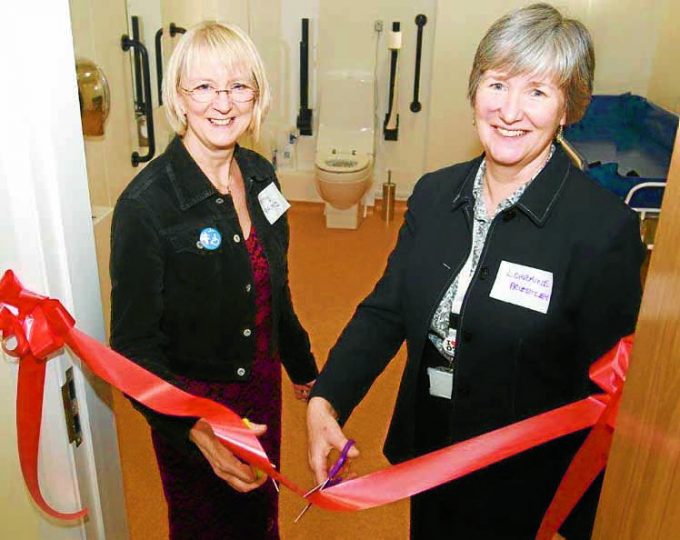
(210, 238)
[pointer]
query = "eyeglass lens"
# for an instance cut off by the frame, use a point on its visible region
(238, 93)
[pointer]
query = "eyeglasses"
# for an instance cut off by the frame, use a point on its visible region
(237, 92)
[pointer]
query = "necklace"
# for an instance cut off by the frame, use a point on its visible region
(226, 188)
(516, 185)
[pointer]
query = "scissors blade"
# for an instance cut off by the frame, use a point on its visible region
(331, 480)
(302, 512)
(317, 488)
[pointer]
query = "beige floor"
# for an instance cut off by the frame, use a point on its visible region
(330, 272)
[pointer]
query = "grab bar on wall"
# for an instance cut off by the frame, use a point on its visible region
(421, 20)
(136, 61)
(304, 119)
(159, 63)
(174, 30)
(391, 124)
(147, 106)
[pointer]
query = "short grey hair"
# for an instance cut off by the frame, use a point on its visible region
(537, 39)
(228, 45)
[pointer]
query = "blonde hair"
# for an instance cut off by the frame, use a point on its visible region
(226, 44)
(537, 39)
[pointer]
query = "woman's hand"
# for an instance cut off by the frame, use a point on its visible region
(324, 434)
(302, 390)
(224, 464)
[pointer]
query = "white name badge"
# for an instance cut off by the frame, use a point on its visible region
(523, 286)
(441, 382)
(273, 204)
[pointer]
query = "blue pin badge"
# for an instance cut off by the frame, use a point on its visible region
(210, 238)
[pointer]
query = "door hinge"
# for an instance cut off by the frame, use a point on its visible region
(71, 412)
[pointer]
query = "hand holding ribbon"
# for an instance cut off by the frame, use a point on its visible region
(41, 326)
(224, 464)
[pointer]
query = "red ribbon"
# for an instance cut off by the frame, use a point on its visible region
(42, 326)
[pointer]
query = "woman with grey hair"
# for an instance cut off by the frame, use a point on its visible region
(200, 291)
(512, 273)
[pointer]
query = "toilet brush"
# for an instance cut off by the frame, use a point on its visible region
(388, 192)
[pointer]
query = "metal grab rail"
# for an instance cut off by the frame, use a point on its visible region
(138, 47)
(304, 119)
(391, 133)
(174, 30)
(416, 106)
(159, 63)
(136, 62)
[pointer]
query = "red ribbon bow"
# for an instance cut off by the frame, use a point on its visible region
(41, 326)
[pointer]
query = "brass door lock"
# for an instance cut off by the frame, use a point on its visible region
(71, 411)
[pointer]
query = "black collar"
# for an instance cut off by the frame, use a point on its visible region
(539, 197)
(192, 186)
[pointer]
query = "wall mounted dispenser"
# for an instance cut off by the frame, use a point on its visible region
(391, 124)
(94, 97)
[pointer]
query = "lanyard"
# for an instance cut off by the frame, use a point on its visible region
(464, 279)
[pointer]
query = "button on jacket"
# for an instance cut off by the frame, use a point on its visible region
(187, 307)
(512, 362)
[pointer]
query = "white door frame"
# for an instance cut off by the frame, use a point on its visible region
(46, 236)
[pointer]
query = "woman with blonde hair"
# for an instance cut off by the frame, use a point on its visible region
(512, 273)
(200, 290)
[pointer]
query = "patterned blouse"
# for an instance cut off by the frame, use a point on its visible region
(439, 327)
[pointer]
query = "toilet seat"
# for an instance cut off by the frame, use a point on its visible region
(342, 162)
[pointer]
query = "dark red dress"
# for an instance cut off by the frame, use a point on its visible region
(201, 506)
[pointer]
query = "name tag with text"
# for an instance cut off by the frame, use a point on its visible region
(273, 204)
(523, 286)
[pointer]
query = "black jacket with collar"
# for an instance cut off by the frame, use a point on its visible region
(511, 362)
(178, 308)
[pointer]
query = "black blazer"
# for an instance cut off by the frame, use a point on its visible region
(177, 308)
(511, 362)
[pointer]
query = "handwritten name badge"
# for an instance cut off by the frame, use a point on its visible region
(523, 286)
(273, 204)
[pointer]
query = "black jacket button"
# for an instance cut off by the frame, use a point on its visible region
(484, 272)
(467, 337)
(509, 215)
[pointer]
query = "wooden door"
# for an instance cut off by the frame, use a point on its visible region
(641, 495)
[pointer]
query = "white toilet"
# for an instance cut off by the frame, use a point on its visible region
(345, 146)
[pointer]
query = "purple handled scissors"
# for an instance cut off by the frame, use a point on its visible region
(333, 478)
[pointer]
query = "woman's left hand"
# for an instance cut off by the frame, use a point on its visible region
(302, 390)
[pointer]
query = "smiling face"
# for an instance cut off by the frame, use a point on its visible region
(214, 126)
(517, 118)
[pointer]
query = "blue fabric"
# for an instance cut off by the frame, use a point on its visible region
(626, 135)
(607, 175)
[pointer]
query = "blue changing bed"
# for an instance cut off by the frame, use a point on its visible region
(625, 143)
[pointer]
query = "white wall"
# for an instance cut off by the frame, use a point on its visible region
(343, 38)
(664, 86)
(97, 27)
(149, 14)
(625, 34)
(47, 239)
